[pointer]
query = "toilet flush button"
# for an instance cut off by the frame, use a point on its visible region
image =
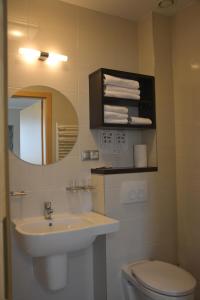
(133, 192)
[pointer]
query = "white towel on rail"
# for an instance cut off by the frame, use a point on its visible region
(118, 81)
(124, 95)
(114, 115)
(140, 121)
(118, 109)
(114, 121)
(114, 88)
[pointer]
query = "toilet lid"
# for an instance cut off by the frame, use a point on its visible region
(164, 278)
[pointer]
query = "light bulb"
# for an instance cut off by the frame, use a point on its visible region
(29, 55)
(54, 58)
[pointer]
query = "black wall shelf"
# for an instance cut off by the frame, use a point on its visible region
(146, 104)
(110, 171)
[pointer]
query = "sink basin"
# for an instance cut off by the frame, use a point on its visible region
(49, 241)
(65, 233)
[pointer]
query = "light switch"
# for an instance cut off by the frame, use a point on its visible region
(85, 155)
(94, 155)
(90, 155)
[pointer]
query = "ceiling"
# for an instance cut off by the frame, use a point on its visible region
(21, 103)
(129, 9)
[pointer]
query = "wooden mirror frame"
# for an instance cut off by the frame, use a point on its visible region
(46, 119)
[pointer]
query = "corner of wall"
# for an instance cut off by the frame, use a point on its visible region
(145, 41)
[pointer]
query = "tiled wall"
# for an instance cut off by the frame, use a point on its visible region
(91, 40)
(147, 229)
(186, 67)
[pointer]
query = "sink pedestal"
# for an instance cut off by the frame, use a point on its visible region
(52, 271)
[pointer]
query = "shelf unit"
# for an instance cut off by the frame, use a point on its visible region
(145, 106)
(110, 171)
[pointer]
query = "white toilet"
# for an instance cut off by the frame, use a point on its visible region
(156, 280)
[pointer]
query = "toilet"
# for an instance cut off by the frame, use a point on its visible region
(157, 280)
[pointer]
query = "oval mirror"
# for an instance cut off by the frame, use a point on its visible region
(42, 125)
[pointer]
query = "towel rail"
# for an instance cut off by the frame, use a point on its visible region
(18, 194)
(80, 188)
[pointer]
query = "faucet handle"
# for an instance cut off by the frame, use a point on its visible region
(47, 204)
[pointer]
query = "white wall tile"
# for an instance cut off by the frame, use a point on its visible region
(186, 86)
(90, 40)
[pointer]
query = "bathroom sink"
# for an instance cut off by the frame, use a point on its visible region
(48, 242)
(64, 233)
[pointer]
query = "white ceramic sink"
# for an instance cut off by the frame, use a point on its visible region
(65, 233)
(49, 241)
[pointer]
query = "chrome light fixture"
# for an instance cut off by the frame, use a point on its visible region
(50, 57)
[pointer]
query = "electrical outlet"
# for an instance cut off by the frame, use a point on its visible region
(113, 141)
(107, 141)
(120, 138)
(107, 137)
(121, 141)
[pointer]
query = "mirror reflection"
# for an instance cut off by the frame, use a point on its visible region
(42, 125)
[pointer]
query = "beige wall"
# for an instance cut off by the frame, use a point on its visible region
(165, 124)
(146, 60)
(91, 40)
(186, 54)
(155, 58)
(146, 54)
(147, 229)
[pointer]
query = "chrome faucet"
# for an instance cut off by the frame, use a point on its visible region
(48, 210)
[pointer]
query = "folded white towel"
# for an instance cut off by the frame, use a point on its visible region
(124, 95)
(114, 88)
(114, 121)
(127, 83)
(140, 121)
(114, 115)
(117, 109)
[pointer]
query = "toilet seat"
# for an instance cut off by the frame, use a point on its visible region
(163, 278)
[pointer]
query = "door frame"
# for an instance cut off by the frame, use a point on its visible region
(46, 118)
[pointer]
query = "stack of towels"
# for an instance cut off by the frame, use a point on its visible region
(117, 87)
(139, 121)
(115, 114)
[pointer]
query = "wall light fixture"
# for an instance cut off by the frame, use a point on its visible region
(50, 57)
